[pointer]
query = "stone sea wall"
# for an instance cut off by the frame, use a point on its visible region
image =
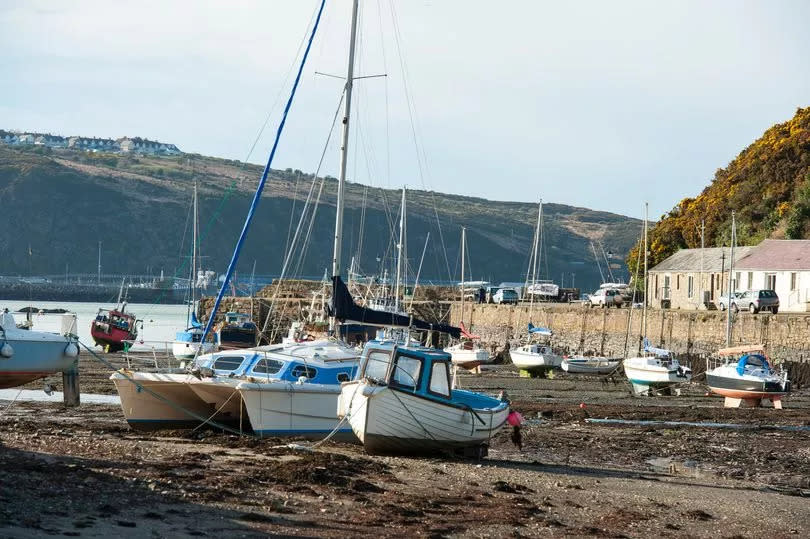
(691, 335)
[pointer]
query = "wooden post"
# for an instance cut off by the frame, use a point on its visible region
(70, 385)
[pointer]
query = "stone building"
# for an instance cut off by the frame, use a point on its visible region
(692, 278)
(698, 278)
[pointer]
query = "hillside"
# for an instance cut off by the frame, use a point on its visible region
(63, 202)
(767, 185)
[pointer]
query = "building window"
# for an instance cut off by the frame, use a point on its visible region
(656, 286)
(770, 281)
(750, 280)
(678, 282)
(690, 286)
(793, 281)
(736, 282)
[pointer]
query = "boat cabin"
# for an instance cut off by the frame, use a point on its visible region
(267, 365)
(242, 320)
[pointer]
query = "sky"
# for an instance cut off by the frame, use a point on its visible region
(597, 104)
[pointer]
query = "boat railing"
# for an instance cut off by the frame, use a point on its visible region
(157, 353)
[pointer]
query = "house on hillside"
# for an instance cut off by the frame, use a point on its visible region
(50, 141)
(26, 138)
(692, 278)
(92, 144)
(782, 266)
(145, 146)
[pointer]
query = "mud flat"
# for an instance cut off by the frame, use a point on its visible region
(83, 472)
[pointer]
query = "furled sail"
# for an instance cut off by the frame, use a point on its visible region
(343, 307)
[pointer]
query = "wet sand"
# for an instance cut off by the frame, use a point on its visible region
(83, 472)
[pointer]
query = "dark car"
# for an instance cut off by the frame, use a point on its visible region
(758, 300)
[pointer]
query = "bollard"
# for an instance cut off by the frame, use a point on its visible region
(70, 385)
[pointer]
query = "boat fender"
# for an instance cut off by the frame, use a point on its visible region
(71, 350)
(301, 380)
(6, 351)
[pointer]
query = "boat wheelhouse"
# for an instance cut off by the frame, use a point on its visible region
(402, 402)
(237, 331)
(112, 328)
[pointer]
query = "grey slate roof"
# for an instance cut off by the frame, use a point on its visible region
(774, 255)
(688, 260)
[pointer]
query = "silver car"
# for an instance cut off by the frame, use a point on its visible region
(756, 300)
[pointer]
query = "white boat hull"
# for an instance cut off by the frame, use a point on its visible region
(222, 394)
(281, 408)
(589, 365)
(647, 374)
(468, 359)
(34, 356)
(176, 409)
(391, 421)
(529, 361)
(188, 350)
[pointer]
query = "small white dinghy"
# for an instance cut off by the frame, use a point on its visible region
(402, 403)
(589, 365)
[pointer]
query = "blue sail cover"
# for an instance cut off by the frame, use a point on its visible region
(656, 351)
(194, 322)
(539, 331)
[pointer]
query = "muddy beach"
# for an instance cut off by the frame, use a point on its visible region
(83, 472)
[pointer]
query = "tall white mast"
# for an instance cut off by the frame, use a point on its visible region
(344, 152)
(463, 250)
(194, 254)
(702, 236)
(399, 250)
(646, 277)
(730, 273)
(535, 256)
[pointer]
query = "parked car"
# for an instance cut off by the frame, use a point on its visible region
(722, 303)
(505, 295)
(606, 297)
(758, 300)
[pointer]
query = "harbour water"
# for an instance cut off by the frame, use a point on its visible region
(160, 322)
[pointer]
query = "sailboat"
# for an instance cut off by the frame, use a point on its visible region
(744, 373)
(27, 355)
(656, 370)
(467, 352)
(188, 343)
(113, 328)
(535, 356)
(187, 397)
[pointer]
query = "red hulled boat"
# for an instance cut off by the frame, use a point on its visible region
(113, 327)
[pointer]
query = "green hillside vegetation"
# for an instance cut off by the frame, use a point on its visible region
(767, 185)
(62, 202)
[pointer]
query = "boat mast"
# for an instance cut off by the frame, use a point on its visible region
(646, 277)
(399, 250)
(344, 153)
(463, 249)
(535, 256)
(730, 273)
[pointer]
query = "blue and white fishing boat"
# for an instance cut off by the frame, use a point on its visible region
(27, 355)
(402, 402)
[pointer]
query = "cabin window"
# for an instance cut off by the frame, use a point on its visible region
(302, 370)
(343, 377)
(267, 366)
(228, 363)
(406, 372)
(376, 365)
(439, 379)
